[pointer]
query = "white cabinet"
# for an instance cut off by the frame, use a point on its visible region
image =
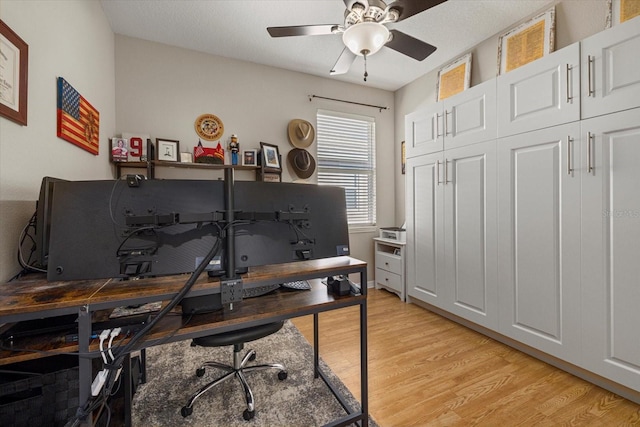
(390, 266)
(466, 118)
(451, 240)
(611, 70)
(541, 94)
(539, 239)
(470, 246)
(611, 246)
(424, 210)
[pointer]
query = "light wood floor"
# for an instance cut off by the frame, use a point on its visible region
(425, 370)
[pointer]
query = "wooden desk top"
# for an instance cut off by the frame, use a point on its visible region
(41, 298)
(37, 296)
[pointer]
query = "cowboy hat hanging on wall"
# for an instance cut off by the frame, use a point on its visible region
(301, 135)
(302, 163)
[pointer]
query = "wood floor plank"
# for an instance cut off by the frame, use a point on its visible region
(425, 370)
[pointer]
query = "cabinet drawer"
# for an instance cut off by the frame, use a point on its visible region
(389, 262)
(390, 280)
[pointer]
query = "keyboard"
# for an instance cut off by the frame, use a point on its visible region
(299, 285)
(258, 291)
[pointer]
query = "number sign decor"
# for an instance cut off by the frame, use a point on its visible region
(78, 121)
(137, 146)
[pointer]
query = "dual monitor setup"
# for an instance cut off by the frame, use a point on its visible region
(137, 228)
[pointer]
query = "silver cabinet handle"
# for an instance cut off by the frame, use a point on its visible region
(438, 127)
(438, 172)
(569, 97)
(446, 123)
(591, 60)
(446, 171)
(569, 141)
(590, 137)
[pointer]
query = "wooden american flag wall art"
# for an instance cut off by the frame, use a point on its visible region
(78, 121)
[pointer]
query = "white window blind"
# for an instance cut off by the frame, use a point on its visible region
(346, 158)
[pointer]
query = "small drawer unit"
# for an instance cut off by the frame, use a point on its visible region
(390, 266)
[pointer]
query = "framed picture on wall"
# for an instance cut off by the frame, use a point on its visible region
(621, 11)
(249, 158)
(454, 77)
(14, 63)
(168, 150)
(270, 156)
(527, 42)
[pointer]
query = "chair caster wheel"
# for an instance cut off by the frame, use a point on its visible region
(200, 372)
(247, 414)
(282, 375)
(252, 357)
(186, 411)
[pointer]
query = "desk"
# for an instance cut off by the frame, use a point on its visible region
(36, 298)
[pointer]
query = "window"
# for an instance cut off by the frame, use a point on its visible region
(346, 158)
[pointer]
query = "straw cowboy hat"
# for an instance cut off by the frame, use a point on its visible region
(301, 133)
(302, 163)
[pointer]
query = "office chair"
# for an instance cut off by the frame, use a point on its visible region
(239, 368)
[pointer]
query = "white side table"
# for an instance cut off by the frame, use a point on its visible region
(390, 266)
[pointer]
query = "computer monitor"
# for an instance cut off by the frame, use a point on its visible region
(104, 229)
(43, 220)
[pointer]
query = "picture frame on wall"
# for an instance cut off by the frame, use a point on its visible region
(454, 77)
(620, 11)
(270, 156)
(249, 158)
(168, 150)
(14, 70)
(403, 156)
(527, 42)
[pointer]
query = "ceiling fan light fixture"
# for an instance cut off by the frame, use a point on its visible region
(365, 37)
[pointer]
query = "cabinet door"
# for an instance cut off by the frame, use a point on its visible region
(539, 240)
(470, 231)
(470, 116)
(424, 198)
(610, 76)
(424, 131)
(611, 247)
(541, 94)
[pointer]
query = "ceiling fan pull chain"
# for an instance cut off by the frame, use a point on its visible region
(365, 66)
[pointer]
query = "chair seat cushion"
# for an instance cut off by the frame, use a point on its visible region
(239, 336)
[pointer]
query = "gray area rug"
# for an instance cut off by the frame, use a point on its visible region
(300, 400)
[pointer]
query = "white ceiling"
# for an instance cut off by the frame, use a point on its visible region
(237, 29)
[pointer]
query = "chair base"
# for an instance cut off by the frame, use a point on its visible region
(238, 370)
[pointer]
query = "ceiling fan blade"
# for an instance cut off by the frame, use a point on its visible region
(349, 3)
(343, 63)
(408, 8)
(410, 46)
(302, 30)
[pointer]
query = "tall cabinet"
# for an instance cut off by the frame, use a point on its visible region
(610, 171)
(534, 233)
(451, 190)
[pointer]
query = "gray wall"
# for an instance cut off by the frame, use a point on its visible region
(70, 39)
(161, 90)
(575, 20)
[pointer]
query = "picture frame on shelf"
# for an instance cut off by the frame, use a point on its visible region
(454, 77)
(119, 150)
(14, 71)
(186, 157)
(270, 157)
(249, 158)
(620, 11)
(168, 150)
(527, 42)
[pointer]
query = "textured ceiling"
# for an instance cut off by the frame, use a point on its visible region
(237, 29)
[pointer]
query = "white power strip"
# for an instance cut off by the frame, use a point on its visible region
(98, 382)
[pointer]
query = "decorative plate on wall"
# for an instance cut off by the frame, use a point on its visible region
(209, 127)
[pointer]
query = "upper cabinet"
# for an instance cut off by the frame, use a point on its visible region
(466, 118)
(611, 70)
(541, 94)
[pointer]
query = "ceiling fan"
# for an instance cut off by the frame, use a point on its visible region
(364, 31)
